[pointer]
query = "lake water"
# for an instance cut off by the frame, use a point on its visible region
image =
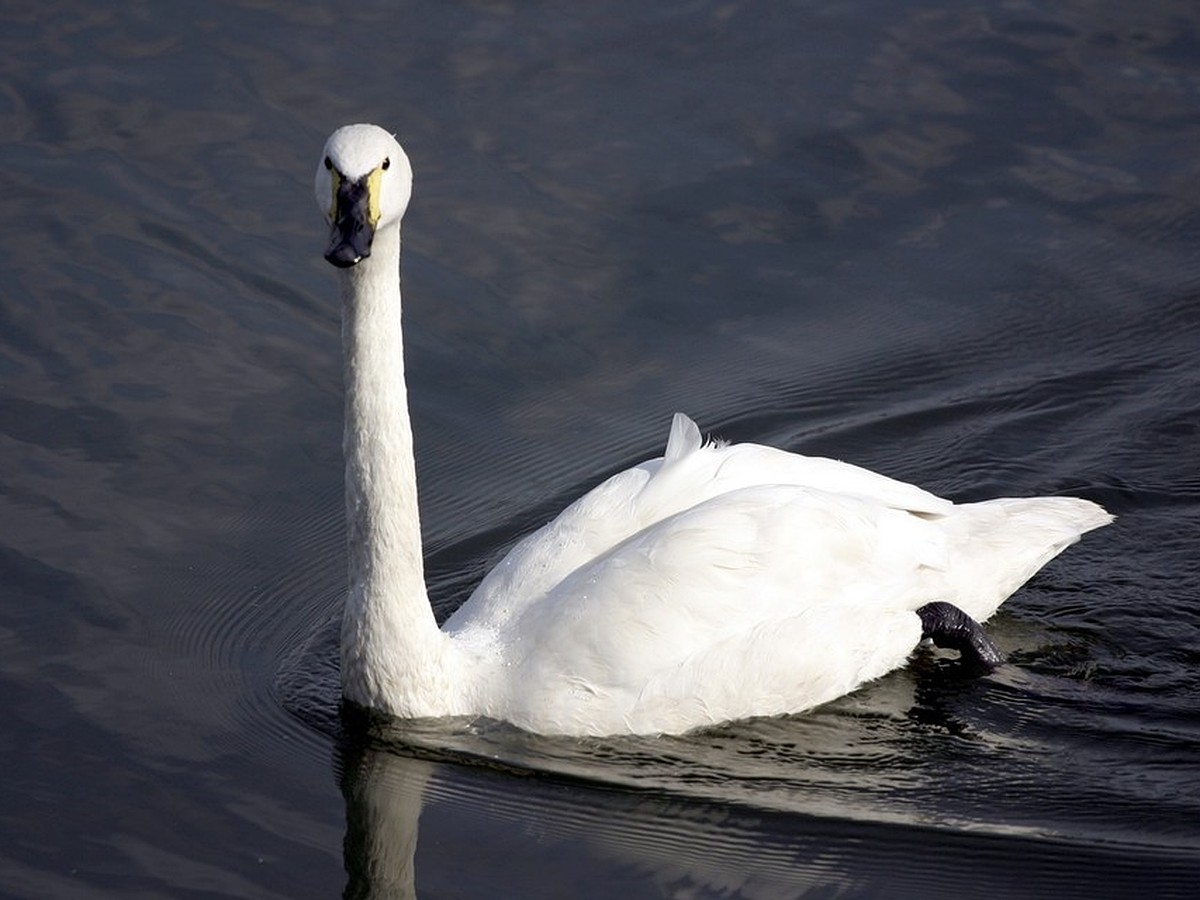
(957, 243)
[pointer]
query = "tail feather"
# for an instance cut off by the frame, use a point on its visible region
(1068, 514)
(1002, 543)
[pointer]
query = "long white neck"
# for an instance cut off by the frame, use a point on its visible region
(394, 657)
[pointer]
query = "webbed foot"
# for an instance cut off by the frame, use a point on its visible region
(952, 629)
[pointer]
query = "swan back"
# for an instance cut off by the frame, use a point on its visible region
(690, 472)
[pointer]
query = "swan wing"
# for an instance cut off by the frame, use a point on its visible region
(689, 473)
(761, 600)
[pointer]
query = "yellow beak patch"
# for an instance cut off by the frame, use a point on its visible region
(373, 181)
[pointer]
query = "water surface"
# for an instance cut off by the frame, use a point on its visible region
(958, 244)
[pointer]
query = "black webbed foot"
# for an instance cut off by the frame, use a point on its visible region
(952, 629)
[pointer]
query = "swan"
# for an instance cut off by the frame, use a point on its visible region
(714, 583)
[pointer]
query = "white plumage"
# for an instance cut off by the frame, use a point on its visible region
(712, 584)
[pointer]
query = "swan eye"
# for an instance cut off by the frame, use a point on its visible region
(328, 164)
(387, 164)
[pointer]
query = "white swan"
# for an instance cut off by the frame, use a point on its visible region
(712, 584)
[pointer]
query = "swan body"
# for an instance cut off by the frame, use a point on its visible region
(711, 584)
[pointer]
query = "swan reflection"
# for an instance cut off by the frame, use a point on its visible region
(417, 822)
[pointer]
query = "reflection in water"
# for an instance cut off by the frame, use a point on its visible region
(694, 849)
(384, 796)
(420, 821)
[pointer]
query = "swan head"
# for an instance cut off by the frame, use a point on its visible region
(363, 184)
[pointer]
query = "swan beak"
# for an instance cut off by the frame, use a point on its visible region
(353, 226)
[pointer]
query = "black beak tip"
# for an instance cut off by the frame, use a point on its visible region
(344, 255)
(351, 226)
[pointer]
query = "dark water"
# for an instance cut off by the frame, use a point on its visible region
(959, 243)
